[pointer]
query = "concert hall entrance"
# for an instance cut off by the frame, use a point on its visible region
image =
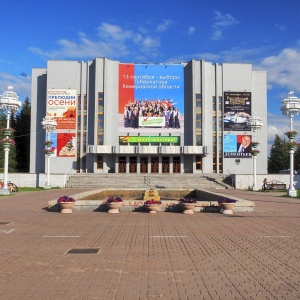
(122, 164)
(144, 164)
(149, 164)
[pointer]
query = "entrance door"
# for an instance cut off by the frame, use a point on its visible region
(166, 165)
(154, 164)
(132, 164)
(144, 164)
(176, 165)
(122, 164)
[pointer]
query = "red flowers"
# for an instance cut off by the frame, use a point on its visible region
(187, 200)
(152, 202)
(112, 199)
(65, 199)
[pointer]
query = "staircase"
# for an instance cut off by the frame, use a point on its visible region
(167, 181)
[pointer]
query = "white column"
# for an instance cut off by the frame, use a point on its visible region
(48, 185)
(292, 191)
(255, 188)
(5, 190)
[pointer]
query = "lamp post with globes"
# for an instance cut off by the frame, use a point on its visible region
(49, 124)
(9, 101)
(290, 106)
(254, 123)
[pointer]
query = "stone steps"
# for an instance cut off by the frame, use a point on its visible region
(159, 181)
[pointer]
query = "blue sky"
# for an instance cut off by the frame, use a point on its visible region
(264, 33)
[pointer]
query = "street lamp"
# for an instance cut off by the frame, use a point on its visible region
(254, 123)
(9, 101)
(290, 106)
(49, 124)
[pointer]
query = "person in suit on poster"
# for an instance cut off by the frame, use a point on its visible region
(245, 145)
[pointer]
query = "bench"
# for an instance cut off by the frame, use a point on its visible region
(276, 186)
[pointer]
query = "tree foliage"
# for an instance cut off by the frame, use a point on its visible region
(279, 156)
(22, 137)
(19, 154)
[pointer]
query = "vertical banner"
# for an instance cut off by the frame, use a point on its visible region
(237, 146)
(237, 111)
(61, 104)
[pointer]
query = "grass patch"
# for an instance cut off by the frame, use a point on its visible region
(30, 189)
(33, 189)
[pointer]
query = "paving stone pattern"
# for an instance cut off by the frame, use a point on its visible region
(149, 256)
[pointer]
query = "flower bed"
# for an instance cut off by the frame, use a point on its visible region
(65, 199)
(152, 202)
(113, 199)
(187, 200)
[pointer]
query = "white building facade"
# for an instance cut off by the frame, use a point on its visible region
(118, 117)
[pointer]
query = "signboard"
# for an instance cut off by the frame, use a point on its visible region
(237, 146)
(237, 111)
(61, 104)
(151, 96)
(148, 139)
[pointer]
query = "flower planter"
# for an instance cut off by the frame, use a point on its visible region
(66, 207)
(188, 208)
(152, 208)
(48, 152)
(291, 134)
(7, 132)
(226, 208)
(6, 145)
(114, 207)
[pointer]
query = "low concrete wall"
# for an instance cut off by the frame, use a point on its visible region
(36, 180)
(212, 197)
(206, 200)
(244, 182)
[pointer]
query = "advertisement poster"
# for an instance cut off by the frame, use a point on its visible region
(151, 97)
(61, 104)
(237, 146)
(66, 143)
(237, 111)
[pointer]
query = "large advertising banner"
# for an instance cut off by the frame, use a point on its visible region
(237, 111)
(151, 96)
(237, 146)
(61, 104)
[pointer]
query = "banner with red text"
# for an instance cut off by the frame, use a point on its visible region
(61, 104)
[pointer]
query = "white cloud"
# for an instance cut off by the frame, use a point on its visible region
(21, 85)
(221, 22)
(164, 25)
(112, 41)
(284, 69)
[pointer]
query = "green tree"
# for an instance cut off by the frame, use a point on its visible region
(297, 157)
(279, 156)
(22, 136)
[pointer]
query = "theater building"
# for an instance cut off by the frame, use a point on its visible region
(115, 117)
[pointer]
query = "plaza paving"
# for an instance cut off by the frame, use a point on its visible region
(149, 256)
